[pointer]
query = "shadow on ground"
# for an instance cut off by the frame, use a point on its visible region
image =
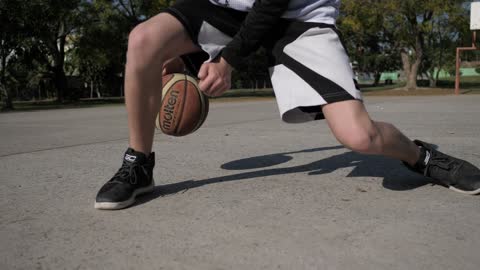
(395, 176)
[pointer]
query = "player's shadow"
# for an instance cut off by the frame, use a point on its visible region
(395, 176)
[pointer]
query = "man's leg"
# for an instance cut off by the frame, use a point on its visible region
(352, 126)
(150, 44)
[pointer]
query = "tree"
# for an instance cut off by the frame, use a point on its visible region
(10, 38)
(418, 18)
(44, 38)
(363, 34)
(53, 24)
(100, 45)
(99, 50)
(404, 27)
(253, 70)
(445, 34)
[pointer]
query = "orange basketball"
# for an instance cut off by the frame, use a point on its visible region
(184, 107)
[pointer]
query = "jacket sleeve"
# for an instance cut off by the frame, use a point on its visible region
(259, 21)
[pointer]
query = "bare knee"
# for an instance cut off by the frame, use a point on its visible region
(137, 39)
(140, 42)
(353, 127)
(145, 47)
(360, 139)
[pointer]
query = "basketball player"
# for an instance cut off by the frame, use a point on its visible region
(310, 73)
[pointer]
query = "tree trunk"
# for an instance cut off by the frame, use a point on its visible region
(377, 77)
(60, 80)
(412, 80)
(411, 63)
(406, 68)
(122, 84)
(411, 70)
(432, 82)
(98, 91)
(432, 76)
(440, 66)
(437, 76)
(8, 105)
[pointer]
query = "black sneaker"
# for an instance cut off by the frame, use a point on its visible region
(132, 179)
(454, 173)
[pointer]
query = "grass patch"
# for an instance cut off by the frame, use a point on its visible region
(267, 92)
(469, 86)
(420, 92)
(466, 83)
(369, 88)
(51, 104)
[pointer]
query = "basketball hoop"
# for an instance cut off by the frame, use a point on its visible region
(474, 26)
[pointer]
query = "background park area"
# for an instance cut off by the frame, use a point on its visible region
(71, 53)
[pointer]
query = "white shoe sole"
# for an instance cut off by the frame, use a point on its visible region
(124, 204)
(473, 192)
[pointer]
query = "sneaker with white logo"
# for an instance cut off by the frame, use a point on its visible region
(456, 174)
(134, 178)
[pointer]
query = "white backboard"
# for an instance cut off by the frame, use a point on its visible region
(475, 16)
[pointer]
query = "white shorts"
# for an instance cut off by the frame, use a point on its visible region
(309, 64)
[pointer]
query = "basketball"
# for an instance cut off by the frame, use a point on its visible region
(184, 107)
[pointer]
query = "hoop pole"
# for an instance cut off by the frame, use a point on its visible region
(457, 73)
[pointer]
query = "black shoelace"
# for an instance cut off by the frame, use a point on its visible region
(128, 172)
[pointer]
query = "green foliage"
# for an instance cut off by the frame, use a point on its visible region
(11, 34)
(363, 33)
(44, 40)
(253, 73)
(419, 33)
(99, 50)
(42, 28)
(51, 37)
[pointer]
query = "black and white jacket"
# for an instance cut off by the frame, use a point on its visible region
(264, 14)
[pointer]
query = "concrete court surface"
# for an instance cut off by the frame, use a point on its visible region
(245, 192)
